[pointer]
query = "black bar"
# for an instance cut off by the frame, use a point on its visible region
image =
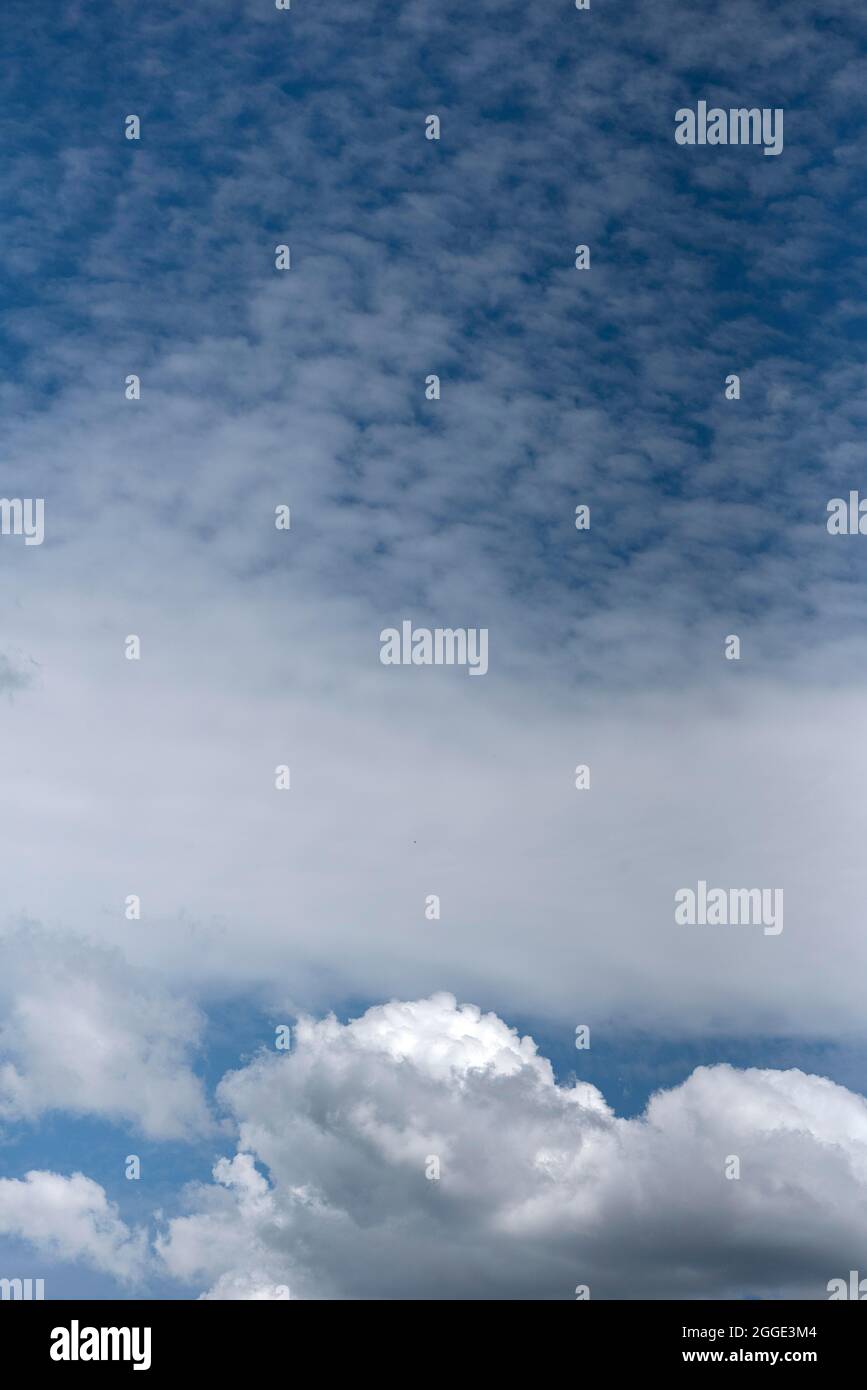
(245, 1338)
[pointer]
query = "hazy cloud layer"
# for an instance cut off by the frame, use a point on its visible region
(307, 388)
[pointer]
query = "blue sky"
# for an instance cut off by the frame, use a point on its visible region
(260, 648)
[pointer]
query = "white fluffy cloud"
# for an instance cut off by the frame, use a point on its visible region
(541, 1188)
(261, 647)
(82, 1031)
(70, 1218)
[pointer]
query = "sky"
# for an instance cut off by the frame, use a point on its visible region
(305, 1172)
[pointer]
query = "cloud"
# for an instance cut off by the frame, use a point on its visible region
(70, 1218)
(15, 674)
(260, 648)
(82, 1032)
(555, 902)
(542, 1187)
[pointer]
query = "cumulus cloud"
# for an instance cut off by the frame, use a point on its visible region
(542, 1187)
(261, 647)
(70, 1218)
(83, 1032)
